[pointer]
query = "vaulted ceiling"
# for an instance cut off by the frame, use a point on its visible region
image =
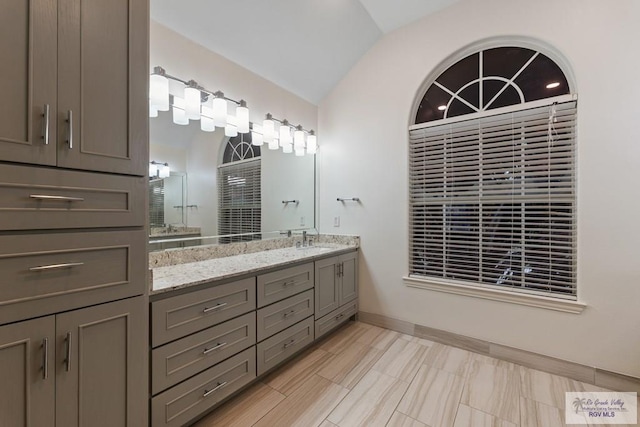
(304, 46)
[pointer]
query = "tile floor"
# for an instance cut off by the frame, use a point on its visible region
(363, 375)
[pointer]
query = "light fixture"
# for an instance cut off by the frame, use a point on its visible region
(298, 139)
(231, 129)
(159, 169)
(257, 138)
(219, 109)
(312, 143)
(287, 148)
(192, 100)
(299, 152)
(285, 133)
(242, 116)
(268, 129)
(153, 169)
(153, 111)
(274, 144)
(442, 107)
(206, 120)
(164, 171)
(553, 85)
(179, 115)
(159, 90)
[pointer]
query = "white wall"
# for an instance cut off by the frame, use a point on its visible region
(284, 175)
(363, 134)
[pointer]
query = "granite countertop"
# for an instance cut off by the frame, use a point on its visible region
(156, 232)
(179, 276)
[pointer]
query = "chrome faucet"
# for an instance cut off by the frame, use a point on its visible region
(304, 239)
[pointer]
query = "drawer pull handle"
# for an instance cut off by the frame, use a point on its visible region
(289, 283)
(215, 347)
(56, 266)
(70, 129)
(208, 393)
(289, 344)
(45, 124)
(339, 316)
(67, 359)
(56, 198)
(45, 358)
(289, 313)
(215, 307)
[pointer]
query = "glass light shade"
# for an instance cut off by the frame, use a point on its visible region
(273, 144)
(312, 144)
(153, 111)
(298, 140)
(242, 116)
(153, 170)
(220, 112)
(287, 148)
(206, 120)
(159, 92)
(285, 135)
(256, 135)
(165, 171)
(179, 115)
(268, 130)
(299, 152)
(192, 103)
(231, 129)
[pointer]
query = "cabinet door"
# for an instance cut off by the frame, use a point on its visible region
(27, 371)
(101, 365)
(102, 96)
(28, 83)
(327, 292)
(349, 277)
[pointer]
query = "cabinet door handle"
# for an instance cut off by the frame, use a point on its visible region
(215, 347)
(67, 359)
(56, 266)
(45, 358)
(208, 393)
(215, 307)
(289, 344)
(45, 124)
(56, 198)
(70, 129)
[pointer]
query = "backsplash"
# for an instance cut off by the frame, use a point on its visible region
(201, 253)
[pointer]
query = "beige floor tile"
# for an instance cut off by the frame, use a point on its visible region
(493, 390)
(307, 406)
(349, 366)
(342, 338)
(469, 417)
(371, 402)
(370, 335)
(401, 360)
(245, 409)
(327, 423)
(546, 388)
(450, 359)
(417, 340)
(385, 339)
(433, 397)
(536, 414)
(493, 361)
(399, 419)
(293, 374)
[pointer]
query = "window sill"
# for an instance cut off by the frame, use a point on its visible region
(529, 300)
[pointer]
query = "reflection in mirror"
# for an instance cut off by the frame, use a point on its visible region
(233, 194)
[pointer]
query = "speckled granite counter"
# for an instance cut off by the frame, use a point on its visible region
(179, 276)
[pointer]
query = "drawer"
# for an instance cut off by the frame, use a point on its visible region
(273, 287)
(186, 401)
(49, 273)
(184, 358)
(279, 316)
(280, 347)
(335, 318)
(33, 198)
(179, 316)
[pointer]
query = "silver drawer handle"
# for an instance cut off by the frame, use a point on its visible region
(339, 316)
(289, 313)
(45, 358)
(207, 393)
(289, 283)
(70, 124)
(289, 344)
(67, 359)
(56, 266)
(45, 124)
(215, 307)
(56, 198)
(215, 347)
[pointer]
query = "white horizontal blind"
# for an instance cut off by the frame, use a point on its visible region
(239, 200)
(492, 200)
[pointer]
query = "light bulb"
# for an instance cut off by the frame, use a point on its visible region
(179, 116)
(153, 170)
(298, 139)
(312, 143)
(206, 120)
(153, 111)
(256, 135)
(268, 129)
(231, 129)
(242, 115)
(287, 148)
(192, 103)
(274, 144)
(220, 110)
(165, 171)
(285, 134)
(159, 92)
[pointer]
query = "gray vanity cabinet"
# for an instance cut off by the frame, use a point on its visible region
(75, 84)
(336, 282)
(83, 367)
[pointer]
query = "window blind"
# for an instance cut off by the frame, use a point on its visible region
(492, 200)
(239, 200)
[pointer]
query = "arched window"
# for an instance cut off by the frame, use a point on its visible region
(239, 191)
(492, 175)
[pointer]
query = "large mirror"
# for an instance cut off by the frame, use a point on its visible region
(221, 186)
